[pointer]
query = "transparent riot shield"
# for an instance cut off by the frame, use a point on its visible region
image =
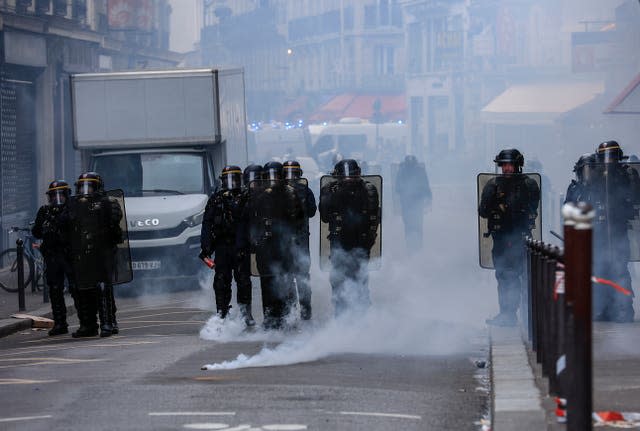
(613, 190)
(347, 221)
(495, 193)
(276, 215)
(122, 269)
(99, 239)
(634, 224)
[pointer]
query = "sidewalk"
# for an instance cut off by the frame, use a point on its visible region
(520, 398)
(34, 305)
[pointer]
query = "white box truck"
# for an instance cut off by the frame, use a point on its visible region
(163, 138)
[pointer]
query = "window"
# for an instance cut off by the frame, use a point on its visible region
(415, 49)
(383, 7)
(384, 58)
(348, 18)
(370, 16)
(151, 174)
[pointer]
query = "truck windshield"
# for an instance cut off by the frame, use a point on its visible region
(152, 174)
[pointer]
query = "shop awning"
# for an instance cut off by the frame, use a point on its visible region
(628, 101)
(539, 104)
(392, 107)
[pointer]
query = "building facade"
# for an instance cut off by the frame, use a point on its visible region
(42, 42)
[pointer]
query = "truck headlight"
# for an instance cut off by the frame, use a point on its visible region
(195, 219)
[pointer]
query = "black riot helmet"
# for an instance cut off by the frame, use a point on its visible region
(231, 177)
(410, 159)
(272, 171)
(58, 192)
(609, 152)
(251, 173)
(346, 168)
(510, 155)
(89, 183)
(584, 166)
(292, 170)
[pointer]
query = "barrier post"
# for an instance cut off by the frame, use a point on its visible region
(578, 241)
(20, 269)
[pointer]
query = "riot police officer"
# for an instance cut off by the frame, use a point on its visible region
(412, 188)
(302, 255)
(510, 203)
(222, 230)
(273, 214)
(613, 192)
(95, 234)
(583, 169)
(50, 228)
(351, 207)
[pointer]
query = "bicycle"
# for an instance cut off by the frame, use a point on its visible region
(33, 264)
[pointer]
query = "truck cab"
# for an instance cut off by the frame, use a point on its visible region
(166, 191)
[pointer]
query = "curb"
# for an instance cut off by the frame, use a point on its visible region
(11, 326)
(516, 402)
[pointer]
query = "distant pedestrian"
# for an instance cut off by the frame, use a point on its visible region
(412, 188)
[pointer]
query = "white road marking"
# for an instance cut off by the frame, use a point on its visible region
(284, 427)
(121, 321)
(25, 418)
(160, 314)
(24, 381)
(206, 426)
(192, 413)
(384, 415)
(190, 322)
(52, 361)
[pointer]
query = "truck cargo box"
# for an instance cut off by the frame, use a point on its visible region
(152, 109)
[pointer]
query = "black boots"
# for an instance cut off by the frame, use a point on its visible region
(58, 329)
(245, 313)
(86, 307)
(85, 331)
(105, 309)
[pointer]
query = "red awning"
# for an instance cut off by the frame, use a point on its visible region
(392, 107)
(628, 101)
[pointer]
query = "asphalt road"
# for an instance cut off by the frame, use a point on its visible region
(150, 377)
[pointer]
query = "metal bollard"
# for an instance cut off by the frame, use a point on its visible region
(529, 300)
(553, 318)
(20, 269)
(539, 303)
(560, 368)
(578, 243)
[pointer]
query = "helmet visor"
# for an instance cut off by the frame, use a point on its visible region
(611, 155)
(57, 197)
(231, 180)
(86, 187)
(273, 175)
(251, 176)
(292, 172)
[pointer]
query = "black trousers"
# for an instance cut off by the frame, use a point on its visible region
(231, 265)
(57, 269)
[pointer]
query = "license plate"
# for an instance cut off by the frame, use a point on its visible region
(145, 265)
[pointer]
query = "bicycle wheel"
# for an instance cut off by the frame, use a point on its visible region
(9, 270)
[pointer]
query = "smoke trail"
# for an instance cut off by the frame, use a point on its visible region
(429, 303)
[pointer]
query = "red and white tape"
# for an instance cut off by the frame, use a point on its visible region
(621, 419)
